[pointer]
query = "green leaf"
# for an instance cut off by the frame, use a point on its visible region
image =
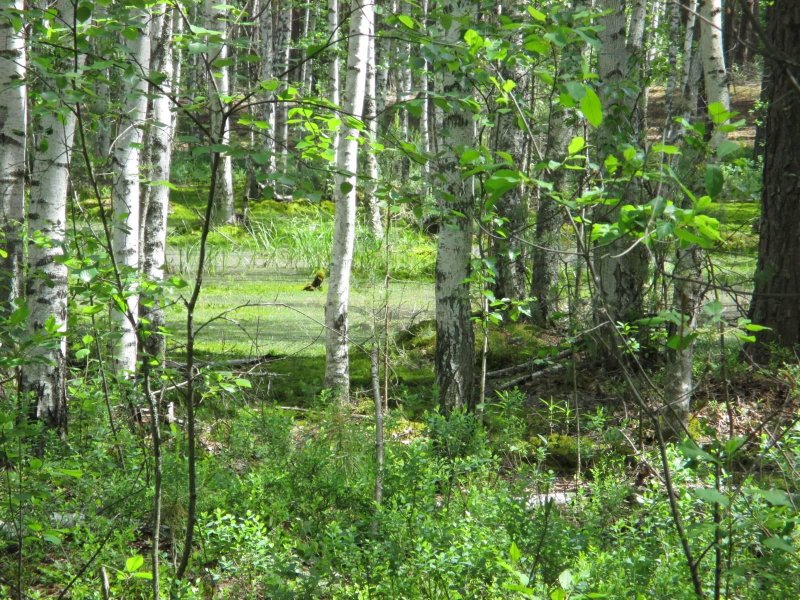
(778, 543)
(502, 181)
(690, 449)
(514, 553)
(714, 179)
(346, 187)
(714, 309)
(243, 383)
(591, 107)
(665, 149)
(406, 20)
(83, 12)
(537, 15)
(576, 145)
(774, 497)
(134, 563)
(711, 496)
(726, 148)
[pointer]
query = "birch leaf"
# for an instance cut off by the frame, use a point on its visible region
(591, 107)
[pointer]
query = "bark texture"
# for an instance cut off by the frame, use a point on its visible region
(621, 265)
(337, 355)
(13, 99)
(455, 345)
(162, 130)
(776, 299)
(713, 56)
(126, 195)
(46, 289)
(219, 89)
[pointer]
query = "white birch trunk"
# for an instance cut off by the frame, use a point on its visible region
(283, 53)
(13, 119)
(161, 132)
(333, 72)
(46, 286)
(454, 334)
(713, 55)
(126, 196)
(424, 119)
(337, 370)
(218, 90)
(688, 43)
(267, 27)
(370, 116)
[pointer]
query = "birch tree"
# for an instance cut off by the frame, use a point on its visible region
(267, 46)
(45, 377)
(715, 75)
(456, 197)
(621, 264)
(337, 369)
(371, 122)
(162, 130)
(126, 163)
(218, 92)
(13, 119)
(679, 382)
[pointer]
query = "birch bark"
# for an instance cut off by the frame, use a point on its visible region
(371, 118)
(713, 56)
(126, 197)
(218, 91)
(161, 132)
(337, 369)
(46, 287)
(455, 345)
(13, 119)
(267, 28)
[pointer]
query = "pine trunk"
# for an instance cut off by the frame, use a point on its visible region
(777, 281)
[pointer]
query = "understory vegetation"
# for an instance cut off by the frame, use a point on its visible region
(551, 490)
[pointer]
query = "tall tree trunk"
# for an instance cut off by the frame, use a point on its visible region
(455, 338)
(425, 113)
(371, 118)
(777, 280)
(337, 356)
(282, 63)
(549, 218)
(714, 71)
(621, 265)
(218, 90)
(161, 133)
(267, 73)
(126, 191)
(333, 71)
(688, 43)
(46, 289)
(13, 123)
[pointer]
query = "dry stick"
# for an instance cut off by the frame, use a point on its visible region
(529, 376)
